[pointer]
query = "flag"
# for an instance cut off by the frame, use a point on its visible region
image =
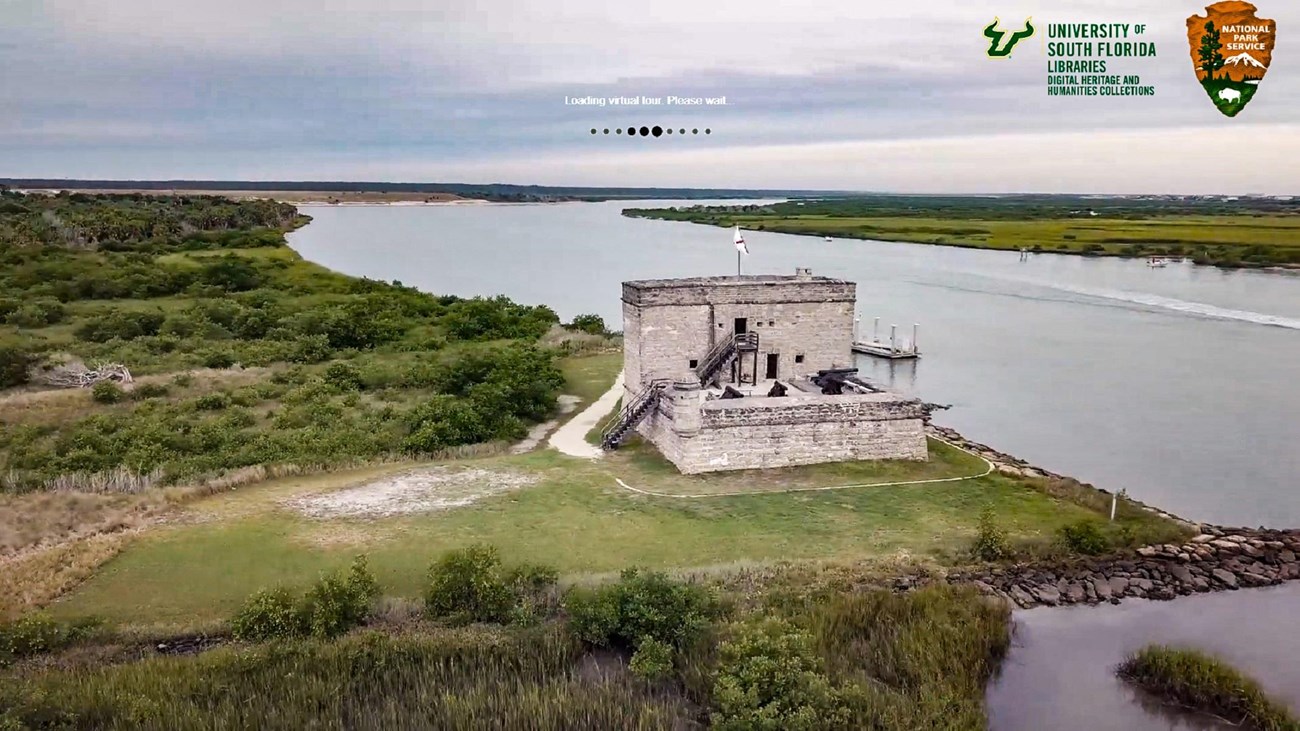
(740, 242)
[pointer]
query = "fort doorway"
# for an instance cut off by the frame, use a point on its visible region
(742, 325)
(772, 360)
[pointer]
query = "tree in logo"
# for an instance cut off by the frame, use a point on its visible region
(1002, 42)
(1211, 45)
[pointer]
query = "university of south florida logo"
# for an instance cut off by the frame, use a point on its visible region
(1231, 50)
(1001, 42)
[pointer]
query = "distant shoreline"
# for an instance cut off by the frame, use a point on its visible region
(304, 197)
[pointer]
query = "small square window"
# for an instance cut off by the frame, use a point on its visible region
(771, 323)
(694, 363)
(798, 358)
(758, 324)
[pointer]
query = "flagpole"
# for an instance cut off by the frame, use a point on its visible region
(737, 262)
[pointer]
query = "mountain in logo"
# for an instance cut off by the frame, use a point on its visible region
(1243, 58)
(1231, 26)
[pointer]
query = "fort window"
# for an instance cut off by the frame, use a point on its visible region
(771, 323)
(798, 358)
(694, 364)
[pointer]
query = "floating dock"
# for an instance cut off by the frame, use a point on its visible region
(893, 350)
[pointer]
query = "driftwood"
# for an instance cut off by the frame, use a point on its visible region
(75, 374)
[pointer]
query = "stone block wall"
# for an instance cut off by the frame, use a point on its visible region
(756, 433)
(669, 323)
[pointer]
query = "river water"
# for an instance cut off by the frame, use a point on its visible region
(1181, 385)
(1061, 670)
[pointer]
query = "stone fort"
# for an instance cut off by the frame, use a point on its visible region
(754, 371)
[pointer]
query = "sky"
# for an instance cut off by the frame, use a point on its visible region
(837, 94)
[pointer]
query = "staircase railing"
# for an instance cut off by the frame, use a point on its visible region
(632, 414)
(722, 353)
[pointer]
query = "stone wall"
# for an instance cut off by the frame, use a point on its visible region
(756, 433)
(669, 323)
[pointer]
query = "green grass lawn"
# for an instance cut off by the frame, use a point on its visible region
(576, 518)
(589, 376)
(198, 567)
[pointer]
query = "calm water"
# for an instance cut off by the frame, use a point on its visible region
(1061, 673)
(1177, 384)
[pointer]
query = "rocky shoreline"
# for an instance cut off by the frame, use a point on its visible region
(1219, 559)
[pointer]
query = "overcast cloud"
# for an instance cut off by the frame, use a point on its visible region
(836, 94)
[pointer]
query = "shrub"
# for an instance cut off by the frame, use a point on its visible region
(149, 390)
(120, 325)
(37, 634)
(593, 324)
(339, 602)
(106, 392)
(467, 585)
(268, 614)
(38, 313)
(218, 359)
(184, 380)
(652, 660)
(310, 349)
(642, 604)
(991, 540)
(531, 578)
(1203, 682)
(442, 422)
(344, 377)
(497, 318)
(1084, 536)
(593, 614)
(15, 362)
(215, 401)
(770, 677)
(231, 273)
(333, 605)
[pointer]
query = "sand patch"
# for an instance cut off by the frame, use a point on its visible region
(421, 490)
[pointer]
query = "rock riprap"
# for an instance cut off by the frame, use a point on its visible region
(1219, 559)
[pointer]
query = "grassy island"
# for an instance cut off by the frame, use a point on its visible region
(1230, 232)
(1202, 682)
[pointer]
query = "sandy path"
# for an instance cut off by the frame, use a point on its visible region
(571, 439)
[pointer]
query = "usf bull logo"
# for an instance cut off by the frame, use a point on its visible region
(1231, 51)
(1001, 42)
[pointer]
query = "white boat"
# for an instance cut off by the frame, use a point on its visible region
(828, 238)
(1156, 262)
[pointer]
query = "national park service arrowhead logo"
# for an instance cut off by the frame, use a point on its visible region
(1231, 51)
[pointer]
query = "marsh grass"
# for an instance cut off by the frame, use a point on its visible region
(873, 660)
(1206, 683)
(34, 578)
(471, 678)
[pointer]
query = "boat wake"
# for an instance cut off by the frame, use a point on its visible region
(1176, 305)
(1120, 298)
